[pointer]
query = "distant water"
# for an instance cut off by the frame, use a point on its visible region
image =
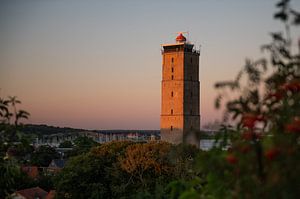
(206, 144)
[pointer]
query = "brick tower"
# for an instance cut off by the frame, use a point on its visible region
(180, 86)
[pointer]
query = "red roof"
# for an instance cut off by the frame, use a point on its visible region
(50, 195)
(180, 38)
(31, 171)
(32, 193)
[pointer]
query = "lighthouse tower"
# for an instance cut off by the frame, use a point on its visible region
(180, 93)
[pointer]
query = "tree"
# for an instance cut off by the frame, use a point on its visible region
(66, 144)
(147, 161)
(14, 147)
(11, 177)
(17, 113)
(97, 170)
(123, 170)
(44, 155)
(82, 144)
(11, 133)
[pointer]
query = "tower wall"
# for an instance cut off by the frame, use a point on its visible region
(180, 118)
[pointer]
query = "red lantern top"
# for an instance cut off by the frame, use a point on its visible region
(180, 38)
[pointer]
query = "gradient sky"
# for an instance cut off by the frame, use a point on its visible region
(97, 64)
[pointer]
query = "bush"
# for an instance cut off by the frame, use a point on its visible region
(264, 153)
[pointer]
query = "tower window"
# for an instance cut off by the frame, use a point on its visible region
(172, 77)
(172, 94)
(191, 94)
(172, 60)
(171, 111)
(171, 128)
(191, 60)
(172, 69)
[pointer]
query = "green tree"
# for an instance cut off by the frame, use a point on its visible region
(14, 147)
(124, 170)
(97, 170)
(84, 141)
(45, 181)
(66, 144)
(17, 113)
(83, 144)
(11, 132)
(43, 155)
(11, 177)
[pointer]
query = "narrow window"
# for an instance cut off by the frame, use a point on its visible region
(191, 94)
(191, 112)
(171, 128)
(191, 77)
(191, 60)
(172, 94)
(172, 77)
(172, 69)
(171, 111)
(172, 60)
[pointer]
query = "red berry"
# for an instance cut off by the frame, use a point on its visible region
(292, 86)
(231, 159)
(277, 96)
(248, 135)
(294, 126)
(249, 120)
(271, 154)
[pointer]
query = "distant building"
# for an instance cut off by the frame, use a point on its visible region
(128, 135)
(54, 140)
(101, 136)
(180, 89)
(31, 193)
(56, 165)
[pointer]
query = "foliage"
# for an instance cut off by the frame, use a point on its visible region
(264, 153)
(8, 110)
(82, 144)
(21, 151)
(11, 177)
(43, 129)
(123, 170)
(45, 181)
(43, 156)
(66, 144)
(142, 158)
(14, 147)
(96, 171)
(10, 118)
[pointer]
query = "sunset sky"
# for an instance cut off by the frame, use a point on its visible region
(97, 64)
